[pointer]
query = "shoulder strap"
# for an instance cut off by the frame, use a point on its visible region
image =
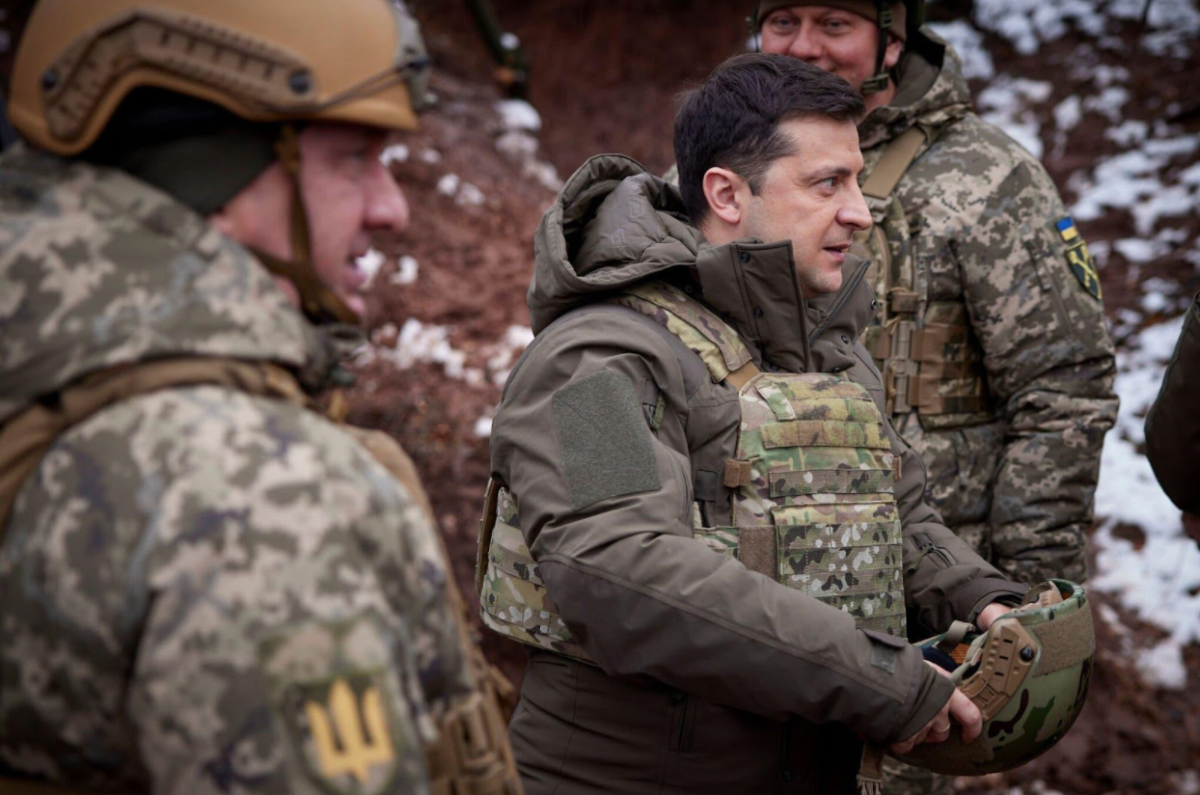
(472, 753)
(713, 340)
(894, 161)
(26, 437)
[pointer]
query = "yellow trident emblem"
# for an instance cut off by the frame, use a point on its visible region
(357, 753)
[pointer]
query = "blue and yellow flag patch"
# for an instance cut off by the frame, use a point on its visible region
(1079, 259)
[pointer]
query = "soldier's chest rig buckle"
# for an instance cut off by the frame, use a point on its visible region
(930, 361)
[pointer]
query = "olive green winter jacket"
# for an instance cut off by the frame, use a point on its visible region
(711, 677)
(1172, 426)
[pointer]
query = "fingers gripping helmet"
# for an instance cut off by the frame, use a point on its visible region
(1029, 676)
(900, 19)
(350, 61)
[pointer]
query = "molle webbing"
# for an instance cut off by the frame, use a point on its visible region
(929, 361)
(512, 596)
(937, 369)
(26, 437)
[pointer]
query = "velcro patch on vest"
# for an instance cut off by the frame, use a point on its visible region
(818, 433)
(1079, 259)
(607, 449)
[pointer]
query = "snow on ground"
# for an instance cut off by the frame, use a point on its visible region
(422, 343)
(369, 264)
(1171, 27)
(1008, 103)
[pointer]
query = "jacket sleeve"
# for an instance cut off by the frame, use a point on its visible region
(1172, 426)
(945, 580)
(1033, 296)
(605, 504)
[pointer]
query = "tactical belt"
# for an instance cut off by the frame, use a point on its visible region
(472, 755)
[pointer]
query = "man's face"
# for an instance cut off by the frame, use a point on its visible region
(349, 194)
(812, 198)
(833, 39)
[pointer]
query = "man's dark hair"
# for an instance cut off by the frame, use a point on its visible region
(732, 119)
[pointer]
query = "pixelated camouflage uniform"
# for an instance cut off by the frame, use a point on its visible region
(611, 435)
(193, 579)
(1017, 477)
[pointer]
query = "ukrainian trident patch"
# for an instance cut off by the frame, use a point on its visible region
(344, 734)
(1079, 259)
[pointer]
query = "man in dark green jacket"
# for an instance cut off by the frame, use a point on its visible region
(1172, 427)
(699, 525)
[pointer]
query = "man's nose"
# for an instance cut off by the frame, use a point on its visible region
(386, 208)
(855, 213)
(806, 45)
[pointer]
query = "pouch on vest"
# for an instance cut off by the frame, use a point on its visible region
(925, 350)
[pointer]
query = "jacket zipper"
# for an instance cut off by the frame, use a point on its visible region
(847, 291)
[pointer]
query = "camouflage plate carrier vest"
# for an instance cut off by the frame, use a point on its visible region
(812, 492)
(930, 361)
(472, 755)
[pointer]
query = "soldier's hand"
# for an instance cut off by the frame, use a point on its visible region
(990, 614)
(959, 708)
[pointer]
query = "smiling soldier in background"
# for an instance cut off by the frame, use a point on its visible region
(205, 585)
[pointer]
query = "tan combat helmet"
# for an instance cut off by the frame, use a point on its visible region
(1029, 676)
(900, 19)
(352, 61)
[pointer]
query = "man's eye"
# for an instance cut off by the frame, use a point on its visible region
(829, 182)
(780, 24)
(835, 25)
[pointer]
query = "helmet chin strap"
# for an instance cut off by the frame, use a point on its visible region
(881, 80)
(318, 302)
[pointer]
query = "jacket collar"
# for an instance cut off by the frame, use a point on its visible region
(753, 286)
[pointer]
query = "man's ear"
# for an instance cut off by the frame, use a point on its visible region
(722, 191)
(895, 48)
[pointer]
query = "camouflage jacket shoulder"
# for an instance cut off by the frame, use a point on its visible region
(229, 572)
(98, 269)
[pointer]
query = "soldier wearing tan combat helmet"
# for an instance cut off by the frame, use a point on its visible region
(989, 331)
(206, 586)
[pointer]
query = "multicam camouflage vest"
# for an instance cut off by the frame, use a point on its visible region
(812, 490)
(472, 754)
(931, 363)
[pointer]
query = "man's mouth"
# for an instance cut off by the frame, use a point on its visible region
(839, 251)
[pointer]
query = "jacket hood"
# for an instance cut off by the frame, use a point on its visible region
(98, 269)
(931, 91)
(614, 225)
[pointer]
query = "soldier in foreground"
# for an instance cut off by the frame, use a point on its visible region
(1172, 427)
(205, 585)
(709, 539)
(990, 328)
